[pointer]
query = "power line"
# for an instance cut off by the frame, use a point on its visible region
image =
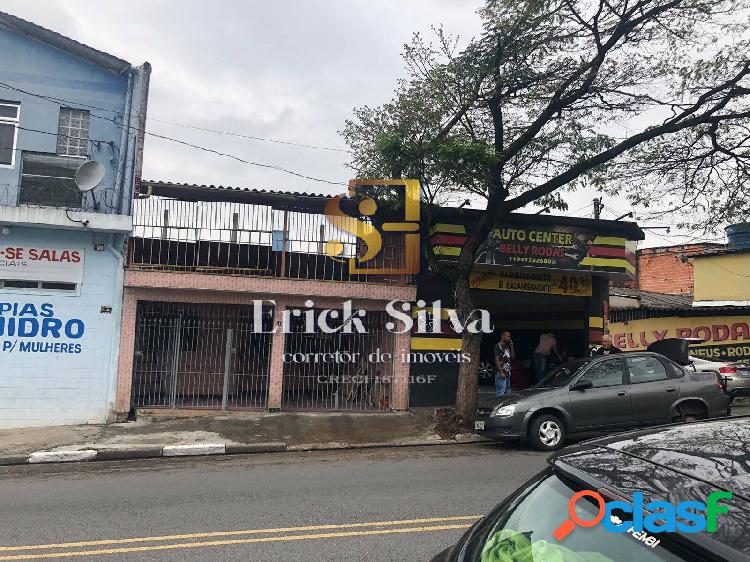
(717, 264)
(59, 101)
(251, 137)
(178, 141)
(578, 210)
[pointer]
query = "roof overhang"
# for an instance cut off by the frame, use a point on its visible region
(63, 43)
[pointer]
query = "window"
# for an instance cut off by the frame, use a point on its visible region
(523, 528)
(8, 133)
(73, 132)
(47, 179)
(44, 285)
(677, 371)
(646, 369)
(605, 373)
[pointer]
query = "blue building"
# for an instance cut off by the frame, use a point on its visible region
(63, 104)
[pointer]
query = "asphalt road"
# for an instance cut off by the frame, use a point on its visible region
(377, 504)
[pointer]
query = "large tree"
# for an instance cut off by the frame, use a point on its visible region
(646, 98)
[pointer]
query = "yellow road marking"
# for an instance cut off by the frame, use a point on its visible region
(235, 533)
(283, 538)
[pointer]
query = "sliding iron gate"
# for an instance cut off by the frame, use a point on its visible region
(338, 371)
(201, 356)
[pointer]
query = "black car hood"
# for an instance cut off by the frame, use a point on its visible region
(675, 463)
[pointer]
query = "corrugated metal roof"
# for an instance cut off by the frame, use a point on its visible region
(234, 189)
(655, 301)
(63, 43)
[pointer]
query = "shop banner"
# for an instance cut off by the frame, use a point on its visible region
(549, 283)
(39, 263)
(727, 337)
(541, 247)
(39, 328)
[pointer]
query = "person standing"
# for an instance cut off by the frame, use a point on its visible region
(504, 354)
(607, 346)
(547, 346)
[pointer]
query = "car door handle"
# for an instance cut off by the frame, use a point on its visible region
(670, 389)
(621, 393)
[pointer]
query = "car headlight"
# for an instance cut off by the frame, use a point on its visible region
(507, 410)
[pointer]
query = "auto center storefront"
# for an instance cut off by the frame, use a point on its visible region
(534, 274)
(59, 320)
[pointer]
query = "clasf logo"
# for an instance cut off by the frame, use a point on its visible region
(370, 235)
(653, 517)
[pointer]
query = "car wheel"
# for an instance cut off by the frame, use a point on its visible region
(547, 433)
(684, 415)
(486, 374)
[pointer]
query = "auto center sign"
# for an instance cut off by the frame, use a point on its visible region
(41, 263)
(538, 246)
(727, 338)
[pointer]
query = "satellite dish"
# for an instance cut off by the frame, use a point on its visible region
(89, 175)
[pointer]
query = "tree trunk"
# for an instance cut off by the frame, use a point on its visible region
(468, 373)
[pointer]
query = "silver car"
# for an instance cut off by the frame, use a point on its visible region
(736, 375)
(605, 393)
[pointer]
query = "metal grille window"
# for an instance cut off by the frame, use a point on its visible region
(8, 133)
(73, 132)
(201, 356)
(48, 180)
(338, 371)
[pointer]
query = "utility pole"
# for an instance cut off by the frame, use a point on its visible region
(597, 208)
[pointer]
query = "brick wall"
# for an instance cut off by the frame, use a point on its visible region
(668, 269)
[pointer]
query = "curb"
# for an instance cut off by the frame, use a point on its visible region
(62, 456)
(194, 450)
(131, 452)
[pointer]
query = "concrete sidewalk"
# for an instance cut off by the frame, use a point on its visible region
(191, 432)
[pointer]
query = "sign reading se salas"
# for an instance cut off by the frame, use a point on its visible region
(37, 263)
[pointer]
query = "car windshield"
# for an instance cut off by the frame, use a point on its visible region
(563, 374)
(522, 529)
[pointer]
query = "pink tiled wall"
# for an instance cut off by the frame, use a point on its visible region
(225, 289)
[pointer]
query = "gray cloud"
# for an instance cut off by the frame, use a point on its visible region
(286, 69)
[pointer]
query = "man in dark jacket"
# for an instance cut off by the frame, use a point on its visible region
(504, 354)
(607, 348)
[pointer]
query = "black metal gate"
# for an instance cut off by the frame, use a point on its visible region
(201, 356)
(338, 371)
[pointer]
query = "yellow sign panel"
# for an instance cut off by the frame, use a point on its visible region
(369, 235)
(550, 283)
(727, 337)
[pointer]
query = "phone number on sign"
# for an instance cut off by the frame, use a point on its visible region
(524, 259)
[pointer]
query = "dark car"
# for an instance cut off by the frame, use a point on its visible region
(612, 392)
(671, 464)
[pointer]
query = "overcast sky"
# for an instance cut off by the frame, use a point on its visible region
(290, 70)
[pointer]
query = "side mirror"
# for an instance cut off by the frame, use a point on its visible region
(582, 384)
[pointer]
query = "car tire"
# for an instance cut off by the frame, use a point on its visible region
(684, 416)
(547, 433)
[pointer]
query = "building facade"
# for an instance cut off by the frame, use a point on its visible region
(668, 269)
(219, 283)
(717, 310)
(533, 275)
(62, 241)
(219, 286)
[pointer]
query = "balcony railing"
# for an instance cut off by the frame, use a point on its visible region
(232, 238)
